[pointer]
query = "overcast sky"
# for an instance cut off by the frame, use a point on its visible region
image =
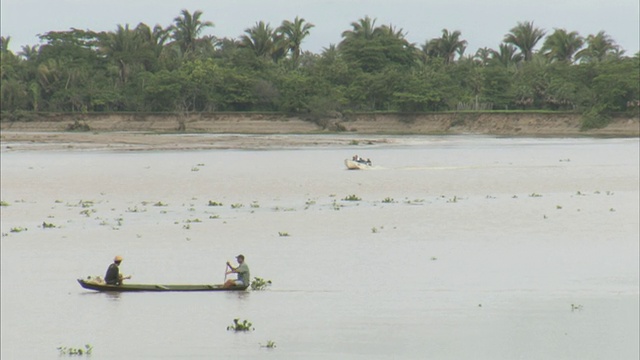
(482, 23)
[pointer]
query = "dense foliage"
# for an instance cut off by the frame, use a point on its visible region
(373, 68)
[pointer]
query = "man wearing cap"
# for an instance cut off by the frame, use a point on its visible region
(243, 273)
(113, 276)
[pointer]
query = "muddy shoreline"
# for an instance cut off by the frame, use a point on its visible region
(233, 130)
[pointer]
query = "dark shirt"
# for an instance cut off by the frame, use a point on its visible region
(113, 275)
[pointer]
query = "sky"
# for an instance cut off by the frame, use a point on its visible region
(481, 23)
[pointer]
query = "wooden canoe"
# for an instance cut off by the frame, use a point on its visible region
(92, 285)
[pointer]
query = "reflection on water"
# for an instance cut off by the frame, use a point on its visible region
(107, 294)
(238, 295)
(453, 240)
(113, 296)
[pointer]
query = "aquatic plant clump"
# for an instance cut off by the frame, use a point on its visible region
(270, 344)
(240, 326)
(352, 198)
(259, 283)
(46, 225)
(76, 351)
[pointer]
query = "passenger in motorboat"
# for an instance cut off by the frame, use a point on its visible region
(361, 160)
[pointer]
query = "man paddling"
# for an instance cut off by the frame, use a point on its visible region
(243, 273)
(113, 276)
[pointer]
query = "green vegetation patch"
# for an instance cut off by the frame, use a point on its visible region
(352, 198)
(260, 283)
(76, 351)
(238, 325)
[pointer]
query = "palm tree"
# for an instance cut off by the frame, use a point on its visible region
(281, 46)
(365, 30)
(260, 39)
(50, 73)
(395, 46)
(362, 29)
(599, 47)
(483, 55)
(121, 47)
(390, 31)
(186, 29)
(561, 45)
(330, 53)
(294, 33)
(446, 47)
(372, 48)
(29, 53)
(525, 37)
(152, 42)
(506, 55)
(4, 44)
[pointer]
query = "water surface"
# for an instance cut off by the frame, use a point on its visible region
(459, 248)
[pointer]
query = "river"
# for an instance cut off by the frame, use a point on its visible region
(452, 247)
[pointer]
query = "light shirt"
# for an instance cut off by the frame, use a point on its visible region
(243, 273)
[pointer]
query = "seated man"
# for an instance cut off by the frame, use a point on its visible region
(243, 273)
(113, 276)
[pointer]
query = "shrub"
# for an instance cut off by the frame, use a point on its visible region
(78, 126)
(594, 119)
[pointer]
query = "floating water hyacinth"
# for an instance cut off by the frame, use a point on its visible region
(260, 283)
(76, 351)
(270, 344)
(240, 326)
(352, 198)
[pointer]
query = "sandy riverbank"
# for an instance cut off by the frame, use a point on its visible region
(233, 130)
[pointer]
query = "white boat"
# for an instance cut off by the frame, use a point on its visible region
(359, 164)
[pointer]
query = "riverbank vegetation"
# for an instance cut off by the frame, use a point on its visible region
(374, 68)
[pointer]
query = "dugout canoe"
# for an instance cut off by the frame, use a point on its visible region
(91, 285)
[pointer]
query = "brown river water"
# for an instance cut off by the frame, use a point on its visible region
(460, 247)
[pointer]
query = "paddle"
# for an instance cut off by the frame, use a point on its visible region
(225, 272)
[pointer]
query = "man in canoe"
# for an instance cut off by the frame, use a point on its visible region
(113, 276)
(243, 273)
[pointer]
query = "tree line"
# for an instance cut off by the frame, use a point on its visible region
(373, 68)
